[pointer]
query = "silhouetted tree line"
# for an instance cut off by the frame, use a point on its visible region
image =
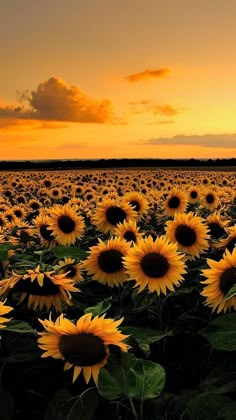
(112, 163)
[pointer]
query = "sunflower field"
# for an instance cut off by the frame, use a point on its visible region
(118, 295)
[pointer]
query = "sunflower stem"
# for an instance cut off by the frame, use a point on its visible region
(141, 410)
(133, 408)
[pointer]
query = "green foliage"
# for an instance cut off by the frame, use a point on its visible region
(221, 332)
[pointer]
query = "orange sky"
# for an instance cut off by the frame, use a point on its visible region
(104, 78)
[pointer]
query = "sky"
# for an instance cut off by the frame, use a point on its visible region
(117, 79)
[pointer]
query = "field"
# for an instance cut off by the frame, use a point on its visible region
(118, 294)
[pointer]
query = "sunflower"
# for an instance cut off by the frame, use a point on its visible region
(128, 230)
(70, 267)
(66, 225)
(105, 263)
(210, 199)
(176, 201)
(110, 212)
(4, 309)
(189, 232)
(83, 345)
(40, 288)
(193, 195)
(138, 201)
(217, 225)
(156, 264)
(19, 212)
(220, 278)
(42, 223)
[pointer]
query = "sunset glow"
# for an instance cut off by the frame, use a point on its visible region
(106, 79)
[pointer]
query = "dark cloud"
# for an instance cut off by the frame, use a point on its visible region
(55, 100)
(147, 74)
(225, 140)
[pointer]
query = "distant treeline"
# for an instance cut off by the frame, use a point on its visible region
(113, 163)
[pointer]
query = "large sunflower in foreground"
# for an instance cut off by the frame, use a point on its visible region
(105, 262)
(156, 264)
(110, 212)
(4, 309)
(65, 224)
(189, 232)
(40, 288)
(220, 278)
(83, 345)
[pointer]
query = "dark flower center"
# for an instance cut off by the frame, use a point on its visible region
(110, 261)
(115, 215)
(55, 192)
(18, 213)
(216, 230)
(185, 235)
(135, 204)
(1, 222)
(70, 270)
(193, 194)
(47, 183)
(44, 232)
(210, 198)
(154, 265)
(82, 349)
(33, 288)
(66, 224)
(130, 236)
(174, 202)
(227, 280)
(35, 206)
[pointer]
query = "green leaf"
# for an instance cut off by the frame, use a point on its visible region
(128, 376)
(146, 380)
(56, 407)
(112, 377)
(4, 252)
(69, 251)
(7, 405)
(109, 387)
(100, 308)
(221, 333)
(211, 407)
(231, 292)
(21, 327)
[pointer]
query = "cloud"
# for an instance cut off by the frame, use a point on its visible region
(145, 105)
(55, 100)
(147, 74)
(224, 140)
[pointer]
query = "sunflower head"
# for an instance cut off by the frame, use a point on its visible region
(176, 201)
(83, 346)
(105, 261)
(220, 278)
(40, 288)
(110, 212)
(66, 225)
(156, 264)
(70, 268)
